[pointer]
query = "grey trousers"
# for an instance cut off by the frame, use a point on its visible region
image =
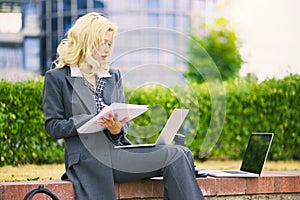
(175, 163)
(94, 165)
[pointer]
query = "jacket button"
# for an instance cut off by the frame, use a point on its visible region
(83, 157)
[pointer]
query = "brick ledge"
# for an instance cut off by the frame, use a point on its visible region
(269, 183)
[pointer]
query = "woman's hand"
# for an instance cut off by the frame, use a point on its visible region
(113, 124)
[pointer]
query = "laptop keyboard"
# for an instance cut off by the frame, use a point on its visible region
(234, 172)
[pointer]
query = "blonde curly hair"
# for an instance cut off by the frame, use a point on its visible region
(83, 38)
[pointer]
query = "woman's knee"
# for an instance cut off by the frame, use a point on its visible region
(186, 152)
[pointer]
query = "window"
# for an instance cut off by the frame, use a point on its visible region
(67, 23)
(98, 4)
(152, 20)
(54, 23)
(67, 5)
(81, 4)
(31, 54)
(133, 4)
(183, 5)
(167, 5)
(171, 21)
(183, 23)
(54, 44)
(152, 4)
(10, 57)
(43, 7)
(54, 6)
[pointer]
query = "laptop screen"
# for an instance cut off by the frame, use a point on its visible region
(256, 152)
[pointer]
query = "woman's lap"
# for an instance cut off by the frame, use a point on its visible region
(140, 163)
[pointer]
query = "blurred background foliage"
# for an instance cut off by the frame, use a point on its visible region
(22, 134)
(219, 45)
(269, 106)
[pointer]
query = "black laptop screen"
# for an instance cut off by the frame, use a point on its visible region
(256, 152)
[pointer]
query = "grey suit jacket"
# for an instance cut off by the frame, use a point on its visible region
(67, 104)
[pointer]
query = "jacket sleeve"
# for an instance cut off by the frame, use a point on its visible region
(118, 96)
(122, 99)
(57, 124)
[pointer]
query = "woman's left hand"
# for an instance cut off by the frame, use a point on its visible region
(113, 124)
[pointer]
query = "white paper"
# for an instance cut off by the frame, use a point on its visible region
(124, 110)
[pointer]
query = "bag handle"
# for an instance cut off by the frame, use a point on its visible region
(40, 189)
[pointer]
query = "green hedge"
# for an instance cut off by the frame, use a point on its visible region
(22, 133)
(271, 106)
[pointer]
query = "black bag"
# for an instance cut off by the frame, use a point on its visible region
(40, 189)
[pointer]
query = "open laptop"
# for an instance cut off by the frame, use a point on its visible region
(254, 158)
(168, 132)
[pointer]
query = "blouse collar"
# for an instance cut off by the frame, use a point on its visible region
(75, 72)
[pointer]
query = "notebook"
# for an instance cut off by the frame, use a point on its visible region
(168, 132)
(122, 109)
(254, 158)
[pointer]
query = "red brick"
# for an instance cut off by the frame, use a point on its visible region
(39, 197)
(297, 184)
(230, 186)
(158, 188)
(207, 185)
(62, 189)
(1, 191)
(135, 189)
(260, 185)
(269, 182)
(284, 184)
(117, 190)
(285, 181)
(18, 190)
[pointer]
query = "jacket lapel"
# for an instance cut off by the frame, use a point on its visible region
(110, 91)
(81, 96)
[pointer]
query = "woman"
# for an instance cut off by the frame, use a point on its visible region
(79, 88)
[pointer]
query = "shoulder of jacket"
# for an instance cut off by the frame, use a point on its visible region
(58, 74)
(59, 71)
(114, 71)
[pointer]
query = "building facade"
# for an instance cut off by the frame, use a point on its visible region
(150, 31)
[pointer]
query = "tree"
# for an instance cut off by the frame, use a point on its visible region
(219, 48)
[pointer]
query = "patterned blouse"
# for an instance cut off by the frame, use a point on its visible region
(98, 97)
(98, 93)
